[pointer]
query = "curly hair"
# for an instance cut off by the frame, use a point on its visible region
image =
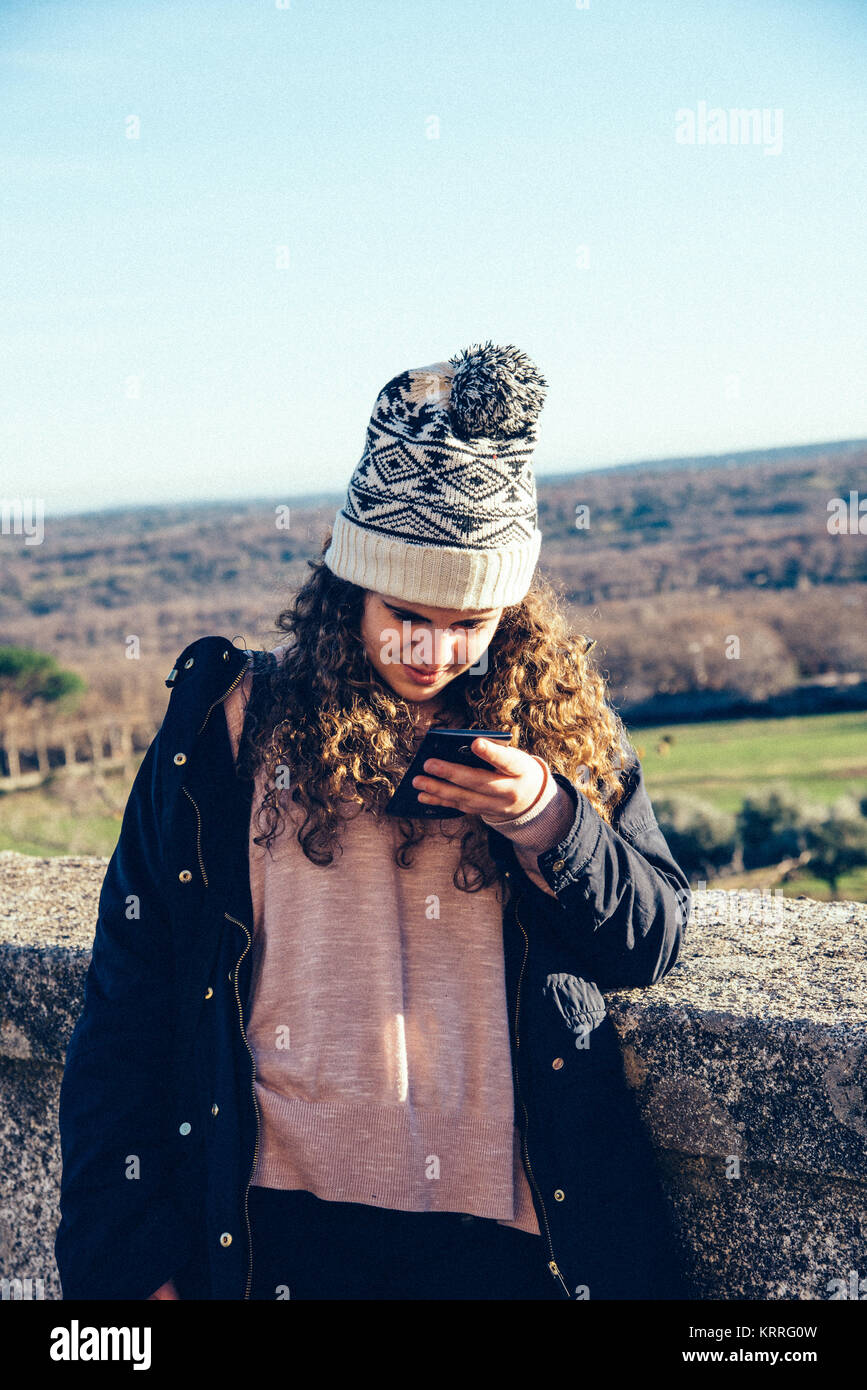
(324, 716)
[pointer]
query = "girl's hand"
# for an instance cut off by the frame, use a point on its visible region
(166, 1290)
(505, 792)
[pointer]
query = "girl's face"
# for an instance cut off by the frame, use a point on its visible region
(417, 649)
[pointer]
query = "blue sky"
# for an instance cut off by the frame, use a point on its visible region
(679, 298)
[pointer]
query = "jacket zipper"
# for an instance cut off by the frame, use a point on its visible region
(240, 676)
(255, 1102)
(552, 1263)
(198, 836)
(226, 693)
(224, 696)
(252, 1060)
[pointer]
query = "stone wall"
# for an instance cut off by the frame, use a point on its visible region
(748, 1063)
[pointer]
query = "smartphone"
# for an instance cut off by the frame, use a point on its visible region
(450, 746)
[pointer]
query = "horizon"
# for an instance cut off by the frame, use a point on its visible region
(227, 226)
(312, 499)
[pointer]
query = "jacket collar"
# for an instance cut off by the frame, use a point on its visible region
(205, 661)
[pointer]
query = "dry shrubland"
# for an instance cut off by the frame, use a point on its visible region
(674, 565)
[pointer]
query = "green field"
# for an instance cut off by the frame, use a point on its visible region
(81, 817)
(823, 756)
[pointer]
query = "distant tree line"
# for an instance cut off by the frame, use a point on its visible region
(774, 828)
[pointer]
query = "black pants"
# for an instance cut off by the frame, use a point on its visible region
(307, 1248)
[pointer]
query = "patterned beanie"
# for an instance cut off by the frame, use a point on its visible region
(441, 508)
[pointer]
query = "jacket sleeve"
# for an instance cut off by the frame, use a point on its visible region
(122, 1233)
(625, 901)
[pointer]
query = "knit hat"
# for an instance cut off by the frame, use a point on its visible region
(442, 505)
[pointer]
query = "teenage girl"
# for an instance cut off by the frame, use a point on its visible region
(439, 1110)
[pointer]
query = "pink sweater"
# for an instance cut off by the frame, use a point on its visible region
(378, 1017)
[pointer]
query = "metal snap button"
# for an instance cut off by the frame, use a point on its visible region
(180, 759)
(559, 864)
(215, 1109)
(185, 1127)
(188, 664)
(225, 1238)
(209, 992)
(557, 1063)
(185, 876)
(559, 1195)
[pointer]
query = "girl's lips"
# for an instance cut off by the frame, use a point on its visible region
(423, 677)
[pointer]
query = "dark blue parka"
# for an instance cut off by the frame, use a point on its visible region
(159, 1123)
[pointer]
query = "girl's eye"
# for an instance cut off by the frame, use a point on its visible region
(472, 622)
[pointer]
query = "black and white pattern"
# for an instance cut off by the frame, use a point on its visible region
(442, 505)
(419, 480)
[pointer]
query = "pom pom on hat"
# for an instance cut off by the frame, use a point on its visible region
(496, 392)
